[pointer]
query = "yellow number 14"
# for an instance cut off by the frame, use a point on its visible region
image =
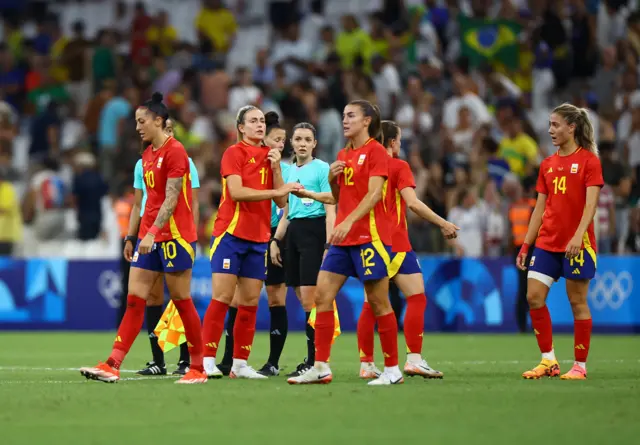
(560, 184)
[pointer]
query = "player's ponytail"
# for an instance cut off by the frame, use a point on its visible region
(272, 121)
(583, 134)
(157, 107)
(375, 126)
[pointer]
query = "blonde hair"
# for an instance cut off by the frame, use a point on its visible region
(584, 134)
(240, 119)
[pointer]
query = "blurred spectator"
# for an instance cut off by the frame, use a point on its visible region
(140, 45)
(606, 220)
(10, 215)
(11, 78)
(497, 167)
(161, 35)
(45, 133)
(263, 73)
(244, 92)
(88, 190)
(111, 126)
(75, 59)
(413, 116)
(353, 43)
(518, 148)
(388, 89)
(104, 62)
(618, 176)
(45, 203)
(467, 214)
(495, 221)
(293, 52)
(632, 242)
(216, 26)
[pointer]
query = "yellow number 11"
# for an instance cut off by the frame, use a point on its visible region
(263, 175)
(560, 183)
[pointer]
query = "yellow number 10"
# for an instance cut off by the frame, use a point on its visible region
(263, 175)
(149, 179)
(560, 184)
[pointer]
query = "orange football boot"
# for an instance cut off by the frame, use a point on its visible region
(102, 372)
(546, 368)
(575, 373)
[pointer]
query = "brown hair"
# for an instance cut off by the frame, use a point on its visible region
(583, 134)
(372, 111)
(240, 119)
(390, 131)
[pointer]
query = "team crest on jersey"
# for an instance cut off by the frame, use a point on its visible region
(159, 162)
(574, 168)
(361, 159)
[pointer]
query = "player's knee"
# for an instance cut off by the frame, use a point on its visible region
(155, 300)
(380, 306)
(323, 299)
(535, 299)
(277, 295)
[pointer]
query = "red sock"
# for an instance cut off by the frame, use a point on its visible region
(541, 322)
(244, 331)
(213, 327)
(414, 322)
(192, 330)
(325, 325)
(128, 330)
(388, 331)
(582, 339)
(366, 327)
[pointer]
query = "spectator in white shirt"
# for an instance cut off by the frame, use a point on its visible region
(245, 92)
(468, 216)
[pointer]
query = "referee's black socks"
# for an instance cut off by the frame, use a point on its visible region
(154, 313)
(277, 333)
(227, 359)
(311, 340)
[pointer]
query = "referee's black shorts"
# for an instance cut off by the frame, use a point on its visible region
(275, 274)
(305, 247)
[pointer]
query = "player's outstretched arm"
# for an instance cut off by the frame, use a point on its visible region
(373, 196)
(425, 212)
(323, 197)
(240, 193)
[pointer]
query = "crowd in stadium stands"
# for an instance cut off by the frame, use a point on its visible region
(470, 82)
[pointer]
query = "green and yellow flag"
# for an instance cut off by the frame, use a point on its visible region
(485, 40)
(312, 320)
(170, 330)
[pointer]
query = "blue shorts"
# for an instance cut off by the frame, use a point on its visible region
(404, 263)
(174, 255)
(366, 262)
(548, 267)
(235, 256)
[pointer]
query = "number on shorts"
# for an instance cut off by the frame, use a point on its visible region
(348, 176)
(169, 250)
(367, 257)
(579, 259)
(560, 184)
(149, 179)
(263, 175)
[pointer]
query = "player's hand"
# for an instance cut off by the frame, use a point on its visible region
(521, 259)
(274, 253)
(288, 188)
(336, 169)
(340, 232)
(146, 244)
(449, 230)
(274, 156)
(128, 250)
(574, 247)
(303, 193)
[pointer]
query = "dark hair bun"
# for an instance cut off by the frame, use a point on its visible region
(271, 118)
(157, 97)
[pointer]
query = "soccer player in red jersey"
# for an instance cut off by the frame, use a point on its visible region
(405, 267)
(251, 178)
(360, 242)
(561, 226)
(166, 245)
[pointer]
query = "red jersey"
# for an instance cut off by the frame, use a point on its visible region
(400, 177)
(250, 221)
(169, 161)
(361, 164)
(564, 179)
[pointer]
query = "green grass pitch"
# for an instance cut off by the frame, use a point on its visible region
(482, 398)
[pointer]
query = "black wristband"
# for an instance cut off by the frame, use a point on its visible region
(276, 240)
(130, 238)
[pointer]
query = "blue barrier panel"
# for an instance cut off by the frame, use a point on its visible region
(469, 295)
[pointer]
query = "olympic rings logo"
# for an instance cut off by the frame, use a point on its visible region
(610, 290)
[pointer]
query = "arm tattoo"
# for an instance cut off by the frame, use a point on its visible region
(172, 192)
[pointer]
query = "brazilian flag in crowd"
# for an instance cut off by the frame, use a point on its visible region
(486, 40)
